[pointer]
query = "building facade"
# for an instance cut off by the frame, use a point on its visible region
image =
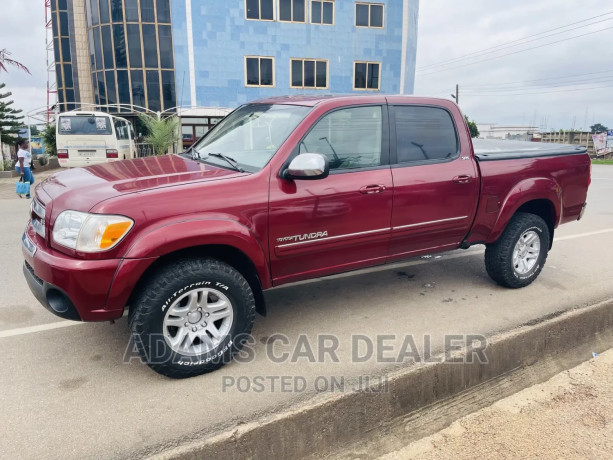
(163, 54)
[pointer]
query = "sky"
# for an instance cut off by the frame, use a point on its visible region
(560, 86)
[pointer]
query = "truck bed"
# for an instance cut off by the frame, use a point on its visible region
(492, 150)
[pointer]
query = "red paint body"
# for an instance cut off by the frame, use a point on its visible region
(177, 203)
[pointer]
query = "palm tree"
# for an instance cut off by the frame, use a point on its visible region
(162, 132)
(4, 59)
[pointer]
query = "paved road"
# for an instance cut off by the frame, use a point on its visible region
(67, 392)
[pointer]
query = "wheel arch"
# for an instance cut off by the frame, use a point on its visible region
(225, 253)
(540, 196)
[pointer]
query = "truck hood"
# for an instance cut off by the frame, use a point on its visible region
(82, 188)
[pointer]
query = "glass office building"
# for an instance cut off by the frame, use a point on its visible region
(126, 55)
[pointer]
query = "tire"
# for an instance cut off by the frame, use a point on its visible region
(170, 318)
(516, 270)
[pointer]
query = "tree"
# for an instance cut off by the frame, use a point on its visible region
(162, 132)
(34, 130)
(472, 126)
(4, 59)
(48, 136)
(598, 128)
(10, 120)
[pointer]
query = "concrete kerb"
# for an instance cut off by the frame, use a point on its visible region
(420, 400)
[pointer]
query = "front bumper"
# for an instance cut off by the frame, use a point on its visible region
(69, 288)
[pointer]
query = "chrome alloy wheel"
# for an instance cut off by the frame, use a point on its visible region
(526, 252)
(198, 321)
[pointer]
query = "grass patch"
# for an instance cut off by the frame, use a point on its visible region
(602, 162)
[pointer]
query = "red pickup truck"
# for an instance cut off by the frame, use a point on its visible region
(282, 190)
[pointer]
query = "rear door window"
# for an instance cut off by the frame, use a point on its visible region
(85, 125)
(424, 135)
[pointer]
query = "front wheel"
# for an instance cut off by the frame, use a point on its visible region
(517, 258)
(191, 317)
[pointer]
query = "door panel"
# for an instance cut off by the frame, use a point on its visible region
(328, 226)
(342, 222)
(436, 182)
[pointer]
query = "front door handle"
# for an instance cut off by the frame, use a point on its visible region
(463, 179)
(370, 189)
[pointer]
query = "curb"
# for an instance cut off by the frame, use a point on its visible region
(419, 400)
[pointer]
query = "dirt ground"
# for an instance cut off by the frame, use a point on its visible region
(568, 417)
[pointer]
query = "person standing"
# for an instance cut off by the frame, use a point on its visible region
(24, 162)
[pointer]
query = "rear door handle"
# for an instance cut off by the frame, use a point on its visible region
(370, 189)
(463, 179)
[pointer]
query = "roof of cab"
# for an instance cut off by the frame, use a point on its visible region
(313, 100)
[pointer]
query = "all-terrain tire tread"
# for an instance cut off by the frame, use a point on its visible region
(497, 255)
(145, 302)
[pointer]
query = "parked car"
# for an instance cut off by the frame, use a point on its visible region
(88, 138)
(283, 190)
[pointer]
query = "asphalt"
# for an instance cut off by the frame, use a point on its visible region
(68, 392)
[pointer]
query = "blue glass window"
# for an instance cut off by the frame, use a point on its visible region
(98, 48)
(168, 89)
(92, 53)
(117, 10)
(146, 11)
(104, 11)
(151, 52)
(136, 59)
(138, 88)
(131, 10)
(95, 15)
(259, 9)
(65, 49)
(56, 49)
(54, 25)
(101, 88)
(64, 24)
(95, 86)
(361, 15)
(107, 47)
(59, 78)
(111, 94)
(119, 40)
(68, 76)
(123, 87)
(62, 5)
(165, 39)
(163, 10)
(153, 90)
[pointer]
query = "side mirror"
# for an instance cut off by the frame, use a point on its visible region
(307, 166)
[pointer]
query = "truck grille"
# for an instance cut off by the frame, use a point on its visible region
(37, 211)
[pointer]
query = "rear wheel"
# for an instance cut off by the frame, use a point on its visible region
(517, 258)
(192, 317)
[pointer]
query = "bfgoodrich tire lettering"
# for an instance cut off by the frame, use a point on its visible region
(186, 286)
(508, 260)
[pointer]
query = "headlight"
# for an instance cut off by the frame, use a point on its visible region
(90, 232)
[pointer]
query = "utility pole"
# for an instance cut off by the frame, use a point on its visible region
(456, 96)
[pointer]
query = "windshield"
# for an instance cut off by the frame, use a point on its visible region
(251, 134)
(84, 125)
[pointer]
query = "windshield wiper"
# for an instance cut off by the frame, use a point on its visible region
(231, 161)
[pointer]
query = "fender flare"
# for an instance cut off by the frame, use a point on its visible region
(175, 236)
(539, 188)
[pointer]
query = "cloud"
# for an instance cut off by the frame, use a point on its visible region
(450, 29)
(23, 34)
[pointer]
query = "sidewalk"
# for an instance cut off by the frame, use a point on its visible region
(569, 416)
(7, 185)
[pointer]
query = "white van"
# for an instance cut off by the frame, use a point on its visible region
(88, 138)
